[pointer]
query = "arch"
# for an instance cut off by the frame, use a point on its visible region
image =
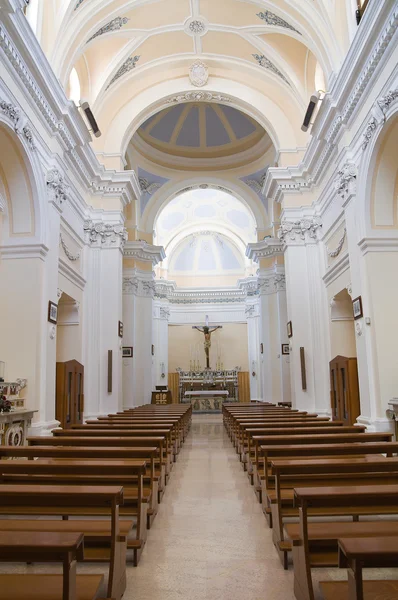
(384, 126)
(283, 131)
(24, 189)
(170, 190)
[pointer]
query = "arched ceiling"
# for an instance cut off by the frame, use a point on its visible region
(122, 47)
(199, 134)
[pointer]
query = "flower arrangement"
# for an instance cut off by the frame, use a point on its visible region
(5, 405)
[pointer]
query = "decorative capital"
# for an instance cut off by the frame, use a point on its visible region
(56, 188)
(346, 176)
(198, 73)
(249, 286)
(130, 286)
(105, 235)
(301, 230)
(164, 313)
(275, 282)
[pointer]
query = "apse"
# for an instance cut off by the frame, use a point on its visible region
(205, 233)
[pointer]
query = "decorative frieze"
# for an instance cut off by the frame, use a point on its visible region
(127, 66)
(137, 286)
(19, 121)
(105, 235)
(264, 62)
(72, 257)
(272, 19)
(56, 188)
(302, 229)
(198, 73)
(337, 250)
(113, 25)
(198, 97)
(346, 175)
(275, 282)
(369, 131)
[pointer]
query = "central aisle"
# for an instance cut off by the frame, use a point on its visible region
(210, 540)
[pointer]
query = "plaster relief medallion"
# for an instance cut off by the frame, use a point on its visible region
(198, 74)
(195, 26)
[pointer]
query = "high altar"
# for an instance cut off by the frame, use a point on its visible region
(208, 389)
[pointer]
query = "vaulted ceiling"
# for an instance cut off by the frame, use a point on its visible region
(281, 49)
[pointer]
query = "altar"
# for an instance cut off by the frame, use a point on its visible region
(206, 400)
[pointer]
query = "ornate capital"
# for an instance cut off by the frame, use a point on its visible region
(130, 286)
(164, 313)
(138, 286)
(303, 230)
(346, 176)
(249, 286)
(105, 235)
(56, 188)
(271, 284)
(19, 121)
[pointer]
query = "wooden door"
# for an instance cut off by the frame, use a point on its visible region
(344, 389)
(69, 404)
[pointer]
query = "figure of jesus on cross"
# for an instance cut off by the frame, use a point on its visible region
(207, 333)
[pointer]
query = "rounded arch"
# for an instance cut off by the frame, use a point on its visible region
(379, 159)
(172, 189)
(23, 189)
(283, 130)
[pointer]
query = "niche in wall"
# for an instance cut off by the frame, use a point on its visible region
(68, 330)
(342, 325)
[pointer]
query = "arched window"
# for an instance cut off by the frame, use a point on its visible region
(74, 86)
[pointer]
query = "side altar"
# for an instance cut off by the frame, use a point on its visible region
(208, 389)
(15, 419)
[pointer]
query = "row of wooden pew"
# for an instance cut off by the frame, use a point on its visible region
(328, 491)
(91, 493)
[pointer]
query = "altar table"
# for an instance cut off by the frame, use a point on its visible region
(205, 400)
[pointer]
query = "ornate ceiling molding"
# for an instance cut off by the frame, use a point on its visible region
(272, 19)
(19, 121)
(196, 26)
(198, 97)
(198, 73)
(141, 250)
(101, 234)
(257, 184)
(148, 188)
(165, 289)
(302, 230)
(113, 25)
(264, 62)
(127, 66)
(264, 249)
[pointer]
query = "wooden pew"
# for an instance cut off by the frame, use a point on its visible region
(356, 554)
(149, 454)
(322, 472)
(127, 473)
(311, 451)
(370, 499)
(59, 500)
(44, 547)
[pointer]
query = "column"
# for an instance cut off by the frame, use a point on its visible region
(105, 241)
(161, 342)
(307, 311)
(253, 329)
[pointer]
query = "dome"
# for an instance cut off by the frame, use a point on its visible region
(201, 131)
(206, 253)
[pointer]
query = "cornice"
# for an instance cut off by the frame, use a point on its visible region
(380, 244)
(336, 269)
(141, 250)
(264, 249)
(168, 290)
(29, 250)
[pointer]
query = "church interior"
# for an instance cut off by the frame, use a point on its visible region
(199, 299)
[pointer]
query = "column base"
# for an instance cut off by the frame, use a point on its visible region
(379, 424)
(43, 428)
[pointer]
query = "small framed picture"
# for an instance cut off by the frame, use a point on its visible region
(52, 312)
(127, 351)
(120, 329)
(285, 349)
(261, 348)
(289, 329)
(357, 307)
(153, 350)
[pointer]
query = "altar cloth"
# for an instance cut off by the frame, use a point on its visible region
(206, 393)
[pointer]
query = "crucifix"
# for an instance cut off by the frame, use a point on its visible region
(207, 333)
